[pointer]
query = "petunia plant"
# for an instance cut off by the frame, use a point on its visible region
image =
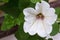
(37, 20)
(40, 19)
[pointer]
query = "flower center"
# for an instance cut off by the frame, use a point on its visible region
(40, 16)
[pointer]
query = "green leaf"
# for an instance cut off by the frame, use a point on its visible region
(58, 11)
(20, 34)
(35, 1)
(35, 37)
(32, 5)
(59, 27)
(23, 4)
(11, 8)
(8, 23)
(46, 0)
(20, 19)
(4, 0)
(55, 29)
(50, 39)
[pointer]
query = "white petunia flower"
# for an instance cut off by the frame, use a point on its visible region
(39, 20)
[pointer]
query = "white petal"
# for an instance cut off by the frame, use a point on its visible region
(48, 28)
(40, 30)
(29, 11)
(30, 19)
(45, 5)
(42, 7)
(43, 29)
(51, 20)
(33, 29)
(27, 26)
(38, 7)
(49, 12)
(50, 16)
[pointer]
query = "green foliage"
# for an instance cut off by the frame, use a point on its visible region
(23, 4)
(35, 1)
(46, 0)
(21, 35)
(11, 8)
(8, 23)
(35, 37)
(20, 19)
(15, 7)
(32, 5)
(58, 11)
(4, 0)
(50, 39)
(59, 27)
(55, 29)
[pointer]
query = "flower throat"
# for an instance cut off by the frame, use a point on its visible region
(40, 16)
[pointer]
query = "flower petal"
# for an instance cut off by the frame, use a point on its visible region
(30, 19)
(49, 12)
(38, 7)
(33, 29)
(51, 20)
(48, 28)
(27, 26)
(50, 16)
(29, 11)
(43, 29)
(45, 5)
(42, 7)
